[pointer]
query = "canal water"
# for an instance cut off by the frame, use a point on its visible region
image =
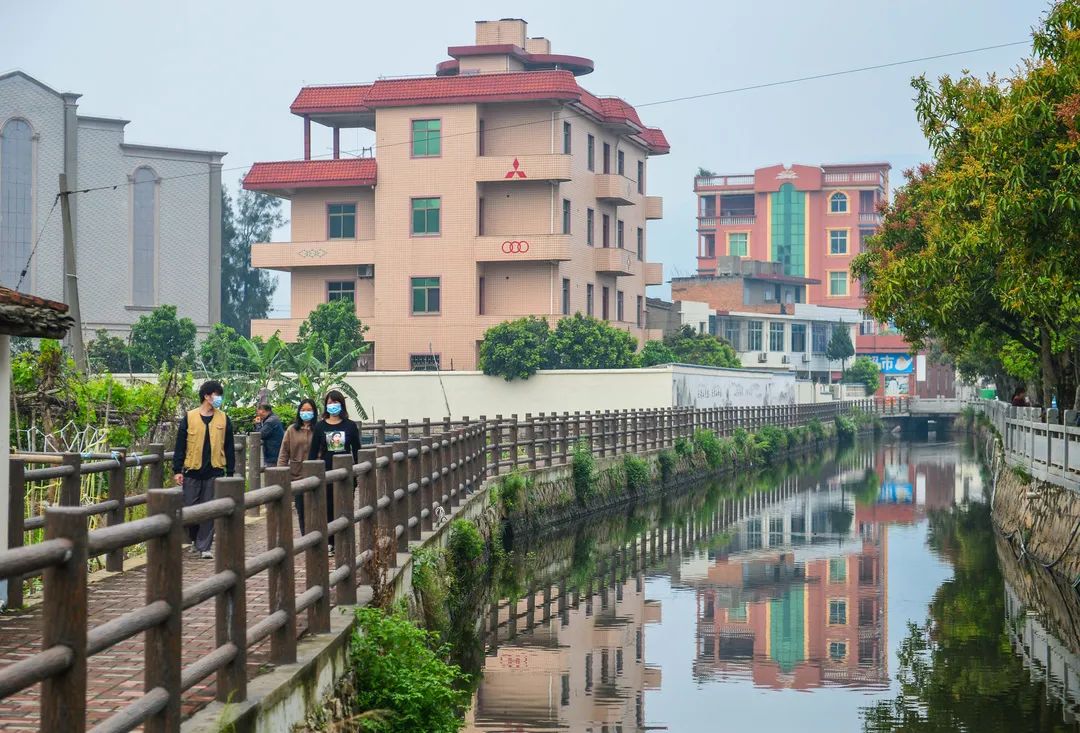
(864, 590)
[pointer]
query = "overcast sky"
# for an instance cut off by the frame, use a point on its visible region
(221, 75)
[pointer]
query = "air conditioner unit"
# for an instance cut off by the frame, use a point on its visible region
(762, 357)
(785, 359)
(365, 272)
(806, 358)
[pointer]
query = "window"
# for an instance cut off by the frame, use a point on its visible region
(590, 153)
(864, 235)
(739, 614)
(620, 163)
(619, 306)
(640, 319)
(16, 199)
(566, 296)
(753, 335)
(341, 290)
(838, 283)
(819, 339)
(590, 225)
(838, 203)
(607, 158)
(838, 241)
(589, 299)
(837, 612)
(732, 333)
(426, 138)
(341, 221)
(837, 569)
(837, 651)
(480, 137)
(867, 651)
(480, 217)
(425, 295)
(425, 216)
(566, 216)
(788, 229)
(798, 338)
(424, 362)
(566, 138)
(868, 327)
(604, 302)
(620, 232)
(144, 238)
(564, 698)
(605, 230)
(641, 176)
(708, 248)
(480, 296)
(640, 244)
(737, 244)
(776, 336)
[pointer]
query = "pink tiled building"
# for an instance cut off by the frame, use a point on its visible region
(501, 188)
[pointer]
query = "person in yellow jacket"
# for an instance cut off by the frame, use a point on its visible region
(204, 452)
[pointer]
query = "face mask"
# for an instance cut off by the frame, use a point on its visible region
(307, 415)
(333, 408)
(216, 402)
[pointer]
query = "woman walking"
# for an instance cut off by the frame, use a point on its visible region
(295, 447)
(334, 435)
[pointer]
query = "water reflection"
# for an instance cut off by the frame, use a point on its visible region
(869, 578)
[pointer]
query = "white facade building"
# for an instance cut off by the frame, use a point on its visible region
(154, 239)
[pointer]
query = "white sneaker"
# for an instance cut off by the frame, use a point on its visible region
(207, 555)
(329, 551)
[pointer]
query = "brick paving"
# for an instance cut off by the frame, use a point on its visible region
(115, 676)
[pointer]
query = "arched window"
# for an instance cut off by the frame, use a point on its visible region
(838, 203)
(144, 238)
(16, 199)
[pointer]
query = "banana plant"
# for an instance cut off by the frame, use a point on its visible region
(316, 374)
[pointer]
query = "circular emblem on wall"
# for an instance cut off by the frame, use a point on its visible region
(515, 247)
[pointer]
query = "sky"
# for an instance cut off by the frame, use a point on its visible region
(221, 75)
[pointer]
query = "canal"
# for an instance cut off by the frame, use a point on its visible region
(864, 590)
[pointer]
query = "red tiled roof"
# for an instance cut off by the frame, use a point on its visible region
(331, 98)
(654, 137)
(618, 109)
(311, 174)
(14, 297)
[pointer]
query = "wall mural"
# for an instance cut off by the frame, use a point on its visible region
(725, 389)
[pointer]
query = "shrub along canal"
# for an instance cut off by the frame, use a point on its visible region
(858, 589)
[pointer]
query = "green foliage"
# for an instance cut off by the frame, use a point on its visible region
(773, 441)
(514, 349)
(684, 446)
(430, 589)
(691, 347)
(845, 428)
(638, 476)
(404, 670)
(709, 445)
(316, 373)
(583, 471)
(583, 342)
(245, 291)
(816, 429)
(666, 460)
(337, 332)
(160, 337)
(864, 371)
(222, 352)
(840, 347)
(511, 492)
(654, 353)
(107, 353)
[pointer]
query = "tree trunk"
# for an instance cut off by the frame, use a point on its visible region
(1049, 367)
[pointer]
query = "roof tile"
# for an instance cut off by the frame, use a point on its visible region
(311, 173)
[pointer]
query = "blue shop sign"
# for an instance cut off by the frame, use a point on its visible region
(893, 363)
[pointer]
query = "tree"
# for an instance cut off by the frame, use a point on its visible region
(514, 349)
(864, 371)
(246, 292)
(336, 325)
(317, 373)
(691, 347)
(583, 342)
(107, 353)
(161, 338)
(703, 172)
(840, 347)
(654, 353)
(221, 351)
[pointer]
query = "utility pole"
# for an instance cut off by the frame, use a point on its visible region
(71, 279)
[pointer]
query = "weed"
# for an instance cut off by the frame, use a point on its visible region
(637, 472)
(684, 447)
(583, 469)
(666, 459)
(816, 429)
(709, 445)
(511, 492)
(845, 428)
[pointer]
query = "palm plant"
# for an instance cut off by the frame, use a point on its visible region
(317, 373)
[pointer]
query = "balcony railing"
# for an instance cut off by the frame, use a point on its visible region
(523, 248)
(654, 273)
(872, 178)
(741, 181)
(654, 207)
(869, 217)
(616, 189)
(706, 222)
(554, 167)
(334, 252)
(742, 219)
(616, 261)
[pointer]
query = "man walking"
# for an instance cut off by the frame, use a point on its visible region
(271, 431)
(204, 452)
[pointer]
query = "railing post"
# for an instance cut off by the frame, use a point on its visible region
(70, 491)
(384, 494)
(530, 436)
(415, 495)
(513, 442)
(16, 517)
(241, 455)
(281, 576)
(564, 432)
(231, 604)
(484, 442)
(497, 448)
(366, 527)
(468, 459)
(316, 562)
(345, 540)
(380, 432)
(164, 568)
(404, 429)
(63, 695)
(427, 427)
(114, 561)
(399, 506)
(457, 454)
(427, 485)
(156, 475)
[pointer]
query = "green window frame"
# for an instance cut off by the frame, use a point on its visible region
(776, 336)
(341, 221)
(426, 294)
(425, 216)
(837, 569)
(838, 203)
(737, 243)
(838, 242)
(838, 283)
(426, 138)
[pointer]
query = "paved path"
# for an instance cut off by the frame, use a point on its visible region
(115, 676)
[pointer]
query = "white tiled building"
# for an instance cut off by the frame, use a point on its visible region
(154, 239)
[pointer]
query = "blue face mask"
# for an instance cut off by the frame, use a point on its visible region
(333, 408)
(216, 402)
(307, 415)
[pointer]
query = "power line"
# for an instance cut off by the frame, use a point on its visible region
(672, 100)
(26, 267)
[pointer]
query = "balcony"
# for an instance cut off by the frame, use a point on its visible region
(716, 182)
(523, 167)
(618, 190)
(288, 256)
(860, 178)
(870, 217)
(706, 222)
(523, 248)
(654, 273)
(738, 220)
(654, 207)
(616, 261)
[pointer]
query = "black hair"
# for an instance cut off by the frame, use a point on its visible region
(266, 406)
(1019, 390)
(210, 387)
(340, 399)
(314, 409)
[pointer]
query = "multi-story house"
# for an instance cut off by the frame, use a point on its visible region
(151, 208)
(501, 188)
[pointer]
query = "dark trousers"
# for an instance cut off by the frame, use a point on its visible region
(298, 500)
(197, 491)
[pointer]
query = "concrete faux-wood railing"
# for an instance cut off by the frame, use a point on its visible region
(392, 494)
(1037, 442)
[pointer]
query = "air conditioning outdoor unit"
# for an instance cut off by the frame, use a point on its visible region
(365, 272)
(806, 358)
(785, 359)
(762, 357)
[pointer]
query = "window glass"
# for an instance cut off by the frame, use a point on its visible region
(640, 243)
(838, 242)
(341, 290)
(425, 295)
(838, 203)
(820, 335)
(566, 296)
(425, 216)
(776, 336)
(590, 225)
(566, 138)
(798, 338)
(589, 299)
(838, 283)
(566, 216)
(837, 569)
(426, 138)
(837, 651)
(424, 362)
(753, 335)
(342, 221)
(590, 153)
(737, 243)
(837, 612)
(789, 229)
(732, 331)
